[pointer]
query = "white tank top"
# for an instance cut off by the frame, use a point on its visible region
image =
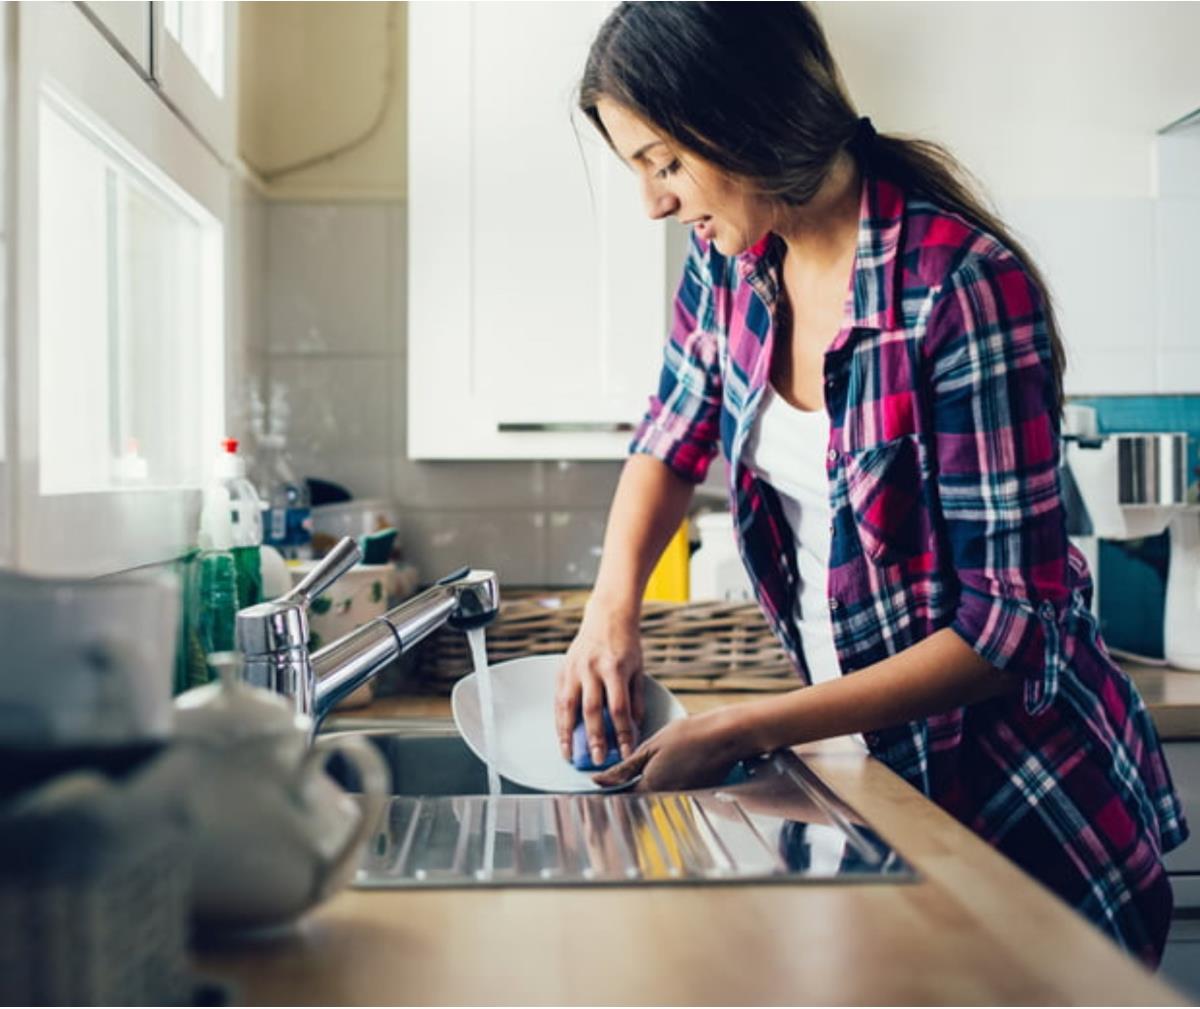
(786, 448)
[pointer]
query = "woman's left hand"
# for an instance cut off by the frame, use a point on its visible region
(695, 752)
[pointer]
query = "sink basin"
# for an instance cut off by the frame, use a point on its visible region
(426, 757)
(773, 820)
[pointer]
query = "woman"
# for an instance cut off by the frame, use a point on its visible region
(877, 359)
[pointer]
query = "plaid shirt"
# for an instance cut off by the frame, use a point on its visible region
(943, 481)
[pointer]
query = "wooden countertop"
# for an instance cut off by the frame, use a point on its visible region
(1172, 697)
(974, 929)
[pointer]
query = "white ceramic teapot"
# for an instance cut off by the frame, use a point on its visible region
(275, 835)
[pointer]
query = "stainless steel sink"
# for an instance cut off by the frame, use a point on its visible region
(773, 820)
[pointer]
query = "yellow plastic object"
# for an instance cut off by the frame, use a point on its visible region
(669, 579)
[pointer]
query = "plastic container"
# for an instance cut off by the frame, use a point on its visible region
(287, 513)
(214, 585)
(717, 572)
(669, 580)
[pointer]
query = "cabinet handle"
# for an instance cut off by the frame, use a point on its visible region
(576, 427)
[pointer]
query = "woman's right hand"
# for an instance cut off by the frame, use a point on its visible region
(603, 662)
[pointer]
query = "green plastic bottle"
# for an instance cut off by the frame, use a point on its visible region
(218, 602)
(215, 586)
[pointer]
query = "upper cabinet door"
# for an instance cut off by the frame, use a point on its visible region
(194, 66)
(538, 293)
(128, 26)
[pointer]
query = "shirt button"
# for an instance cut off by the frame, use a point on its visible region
(833, 455)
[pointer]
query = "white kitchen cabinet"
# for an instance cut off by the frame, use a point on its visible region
(538, 288)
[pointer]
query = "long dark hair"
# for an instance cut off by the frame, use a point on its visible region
(752, 89)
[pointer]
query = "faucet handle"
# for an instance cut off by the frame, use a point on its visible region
(336, 563)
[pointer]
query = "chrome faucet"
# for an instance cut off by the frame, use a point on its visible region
(273, 636)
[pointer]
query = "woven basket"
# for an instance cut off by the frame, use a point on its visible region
(686, 646)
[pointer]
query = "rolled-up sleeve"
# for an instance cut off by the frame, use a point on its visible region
(681, 427)
(996, 444)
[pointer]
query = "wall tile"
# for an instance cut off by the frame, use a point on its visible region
(397, 277)
(1177, 267)
(329, 278)
(1092, 371)
(1151, 413)
(573, 545)
(245, 394)
(1098, 258)
(468, 484)
(581, 484)
(1179, 371)
(340, 420)
(249, 219)
(1178, 156)
(510, 542)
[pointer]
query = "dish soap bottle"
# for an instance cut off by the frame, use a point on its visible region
(245, 515)
(214, 597)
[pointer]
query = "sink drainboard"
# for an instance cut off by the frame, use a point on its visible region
(777, 823)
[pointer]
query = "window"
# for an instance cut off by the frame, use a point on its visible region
(127, 263)
(120, 263)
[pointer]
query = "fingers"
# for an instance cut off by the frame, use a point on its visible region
(593, 718)
(625, 771)
(566, 712)
(619, 707)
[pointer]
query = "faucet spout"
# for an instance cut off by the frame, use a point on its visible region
(465, 599)
(274, 636)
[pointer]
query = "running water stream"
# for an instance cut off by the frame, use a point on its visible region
(477, 640)
(487, 707)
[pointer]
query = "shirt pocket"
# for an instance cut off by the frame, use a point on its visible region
(885, 485)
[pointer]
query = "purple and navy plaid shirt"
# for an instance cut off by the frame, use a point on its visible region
(943, 480)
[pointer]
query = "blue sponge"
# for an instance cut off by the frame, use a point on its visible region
(581, 756)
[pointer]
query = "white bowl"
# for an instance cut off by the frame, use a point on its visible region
(527, 750)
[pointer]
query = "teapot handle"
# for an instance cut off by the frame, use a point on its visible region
(373, 774)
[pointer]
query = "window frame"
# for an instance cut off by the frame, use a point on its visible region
(96, 533)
